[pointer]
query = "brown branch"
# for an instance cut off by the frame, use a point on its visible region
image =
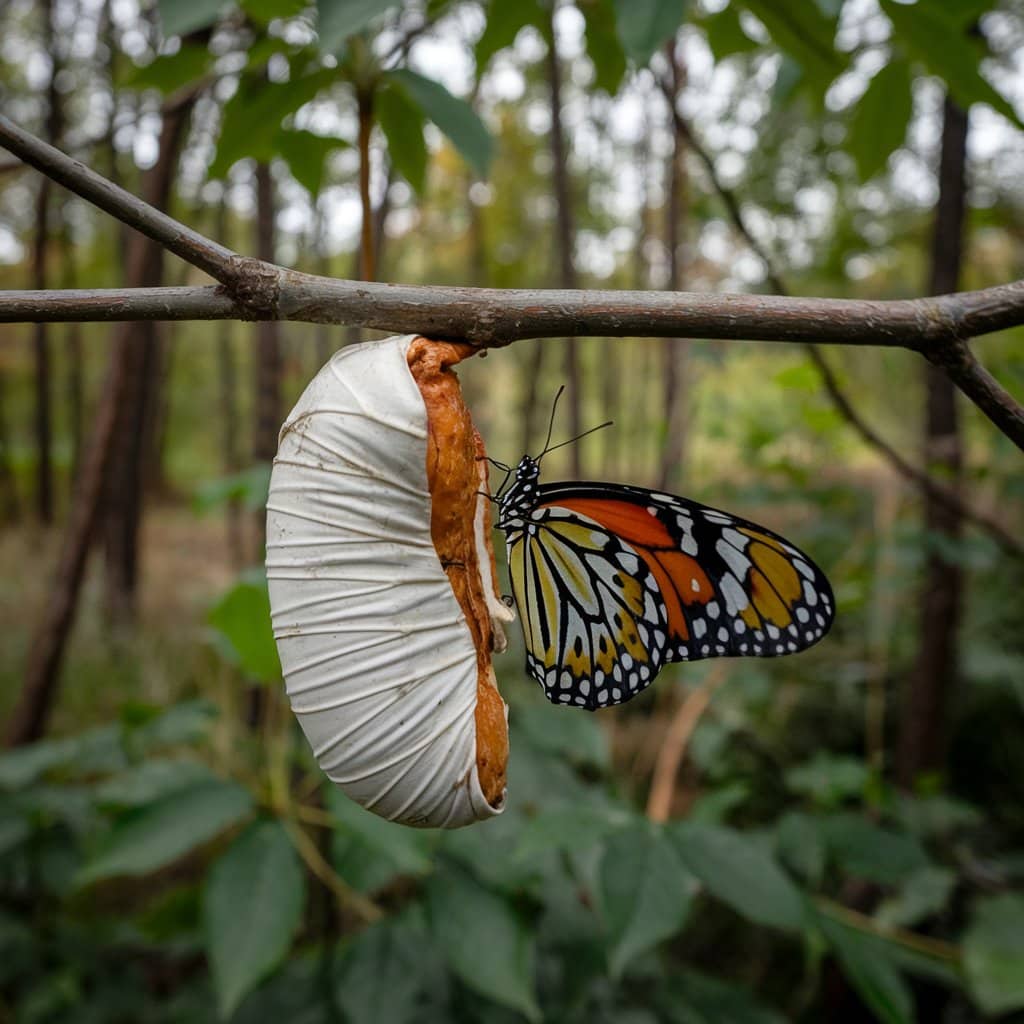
(954, 355)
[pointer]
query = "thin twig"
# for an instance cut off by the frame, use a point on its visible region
(677, 738)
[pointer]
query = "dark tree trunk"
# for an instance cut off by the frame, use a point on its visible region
(565, 241)
(923, 730)
(43, 385)
(324, 332)
(10, 505)
(133, 443)
(367, 249)
(268, 349)
(74, 387)
(676, 350)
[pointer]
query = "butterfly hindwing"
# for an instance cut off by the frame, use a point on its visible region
(593, 623)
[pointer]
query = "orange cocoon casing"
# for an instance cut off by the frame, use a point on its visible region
(382, 584)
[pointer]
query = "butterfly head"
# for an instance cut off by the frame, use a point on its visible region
(520, 497)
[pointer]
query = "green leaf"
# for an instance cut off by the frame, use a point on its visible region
(305, 153)
(252, 905)
(162, 832)
(171, 71)
(504, 22)
(603, 46)
(804, 32)
(180, 17)
(644, 25)
(263, 12)
(569, 828)
(573, 739)
(386, 970)
(929, 34)
(100, 748)
(645, 892)
(407, 848)
(339, 19)
(725, 34)
(827, 779)
(871, 972)
(483, 940)
(455, 117)
(924, 893)
(800, 845)
(879, 123)
(242, 621)
(402, 123)
(252, 118)
(869, 851)
(150, 781)
(716, 1002)
(741, 874)
(994, 953)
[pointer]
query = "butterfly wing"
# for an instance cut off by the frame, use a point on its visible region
(594, 627)
(619, 580)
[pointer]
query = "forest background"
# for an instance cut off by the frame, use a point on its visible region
(838, 836)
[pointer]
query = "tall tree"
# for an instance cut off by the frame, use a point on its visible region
(932, 682)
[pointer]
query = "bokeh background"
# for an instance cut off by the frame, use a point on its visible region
(833, 837)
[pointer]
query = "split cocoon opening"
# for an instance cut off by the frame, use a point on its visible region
(383, 586)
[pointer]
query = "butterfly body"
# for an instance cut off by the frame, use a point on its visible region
(612, 582)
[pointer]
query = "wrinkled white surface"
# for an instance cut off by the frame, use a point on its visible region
(378, 659)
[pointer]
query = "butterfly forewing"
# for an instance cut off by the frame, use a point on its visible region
(614, 581)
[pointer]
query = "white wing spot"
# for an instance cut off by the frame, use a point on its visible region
(803, 614)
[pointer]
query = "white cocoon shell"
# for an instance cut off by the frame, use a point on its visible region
(378, 659)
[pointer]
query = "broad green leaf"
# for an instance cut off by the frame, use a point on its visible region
(156, 835)
(171, 71)
(408, 848)
(869, 851)
(603, 45)
(569, 828)
(644, 25)
(714, 1001)
(150, 781)
(98, 748)
(339, 19)
(725, 34)
(827, 779)
(803, 31)
(179, 17)
(645, 892)
(455, 117)
(574, 739)
(265, 11)
(928, 33)
(741, 874)
(484, 941)
(924, 893)
(402, 123)
(871, 972)
(504, 22)
(183, 724)
(242, 621)
(879, 123)
(994, 953)
(253, 117)
(801, 846)
(305, 153)
(384, 971)
(14, 829)
(252, 904)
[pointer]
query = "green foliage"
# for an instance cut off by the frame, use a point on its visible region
(994, 952)
(604, 47)
(252, 904)
(402, 122)
(880, 120)
(180, 17)
(337, 20)
(645, 25)
(157, 834)
(241, 620)
(504, 23)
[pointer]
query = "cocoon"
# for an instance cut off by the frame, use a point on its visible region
(382, 584)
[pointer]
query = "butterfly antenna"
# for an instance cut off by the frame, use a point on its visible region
(551, 423)
(498, 465)
(572, 440)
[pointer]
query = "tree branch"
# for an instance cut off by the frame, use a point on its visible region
(257, 290)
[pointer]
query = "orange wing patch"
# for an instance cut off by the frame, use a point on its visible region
(633, 523)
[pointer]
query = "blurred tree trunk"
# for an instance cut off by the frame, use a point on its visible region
(268, 350)
(43, 386)
(676, 350)
(324, 342)
(10, 506)
(227, 376)
(74, 388)
(924, 722)
(565, 241)
(38, 695)
(126, 477)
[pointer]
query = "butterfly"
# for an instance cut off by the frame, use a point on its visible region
(613, 582)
